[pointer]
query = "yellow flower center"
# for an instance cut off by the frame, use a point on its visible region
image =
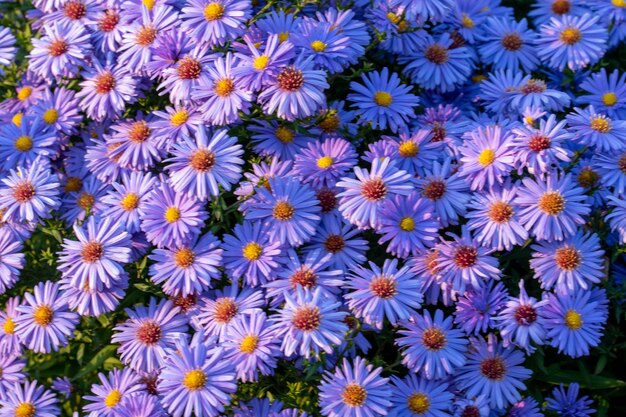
(325, 162)
(51, 116)
(393, 18)
(418, 403)
(573, 320)
(609, 99)
(601, 124)
(113, 398)
(24, 93)
(73, 184)
(283, 211)
(551, 203)
(284, 135)
(408, 149)
(213, 11)
(571, 36)
(149, 4)
(17, 119)
(184, 258)
(479, 78)
(260, 62)
(25, 410)
(24, 143)
(318, 46)
(42, 316)
(9, 326)
(486, 157)
(467, 22)
(180, 117)
(383, 98)
(283, 36)
(130, 201)
(172, 214)
(407, 224)
(195, 380)
(224, 87)
(619, 3)
(252, 251)
(249, 344)
(354, 395)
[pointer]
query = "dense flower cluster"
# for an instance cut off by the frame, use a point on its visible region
(247, 188)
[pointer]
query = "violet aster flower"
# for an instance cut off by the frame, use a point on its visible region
(148, 334)
(277, 139)
(29, 399)
(279, 23)
(535, 93)
(176, 123)
(596, 129)
(340, 240)
(522, 321)
(551, 209)
(487, 157)
(29, 194)
(574, 322)
(78, 12)
(310, 322)
(322, 163)
(383, 100)
(44, 323)
(252, 346)
(187, 269)
(606, 92)
(78, 205)
(197, 380)
(507, 44)
(494, 371)
(198, 166)
(60, 52)
(106, 90)
(538, 150)
(11, 259)
(328, 46)
(171, 218)
(180, 79)
(413, 395)
(565, 402)
(354, 390)
(436, 65)
(572, 41)
(387, 292)
(114, 390)
(476, 310)
(63, 386)
(141, 405)
(414, 152)
(362, 199)
(7, 46)
(9, 341)
(134, 144)
(289, 211)
(59, 110)
(251, 254)
(296, 91)
(431, 345)
(463, 261)
(97, 257)
(107, 28)
(446, 190)
(494, 219)
(408, 224)
(568, 266)
(220, 95)
(21, 145)
(12, 367)
(89, 302)
(126, 200)
(215, 22)
(258, 65)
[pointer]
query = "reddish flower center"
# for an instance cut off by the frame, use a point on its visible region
(85, 201)
(92, 252)
(436, 54)
(105, 82)
(202, 160)
(470, 411)
(334, 243)
(567, 258)
(374, 189)
(185, 303)
(145, 36)
(329, 123)
(551, 203)
(466, 256)
(149, 332)
(500, 212)
(493, 368)
(533, 86)
(189, 68)
(184, 257)
(304, 276)
(290, 79)
(75, 10)
(571, 36)
(354, 395)
(525, 315)
(432, 262)
(108, 21)
(150, 381)
(383, 287)
(57, 48)
(24, 191)
(225, 310)
(434, 190)
(512, 41)
(438, 132)
(139, 132)
(433, 339)
(538, 143)
(327, 199)
(621, 163)
(560, 7)
(306, 318)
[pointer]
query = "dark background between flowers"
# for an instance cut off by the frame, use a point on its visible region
(602, 374)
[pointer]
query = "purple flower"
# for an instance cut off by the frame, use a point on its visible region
(29, 399)
(321, 164)
(476, 310)
(113, 392)
(215, 22)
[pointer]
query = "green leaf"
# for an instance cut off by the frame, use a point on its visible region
(97, 361)
(592, 382)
